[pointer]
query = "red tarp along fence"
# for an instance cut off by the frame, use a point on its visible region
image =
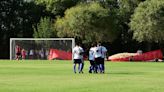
(148, 56)
(59, 54)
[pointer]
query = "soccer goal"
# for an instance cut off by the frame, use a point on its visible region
(42, 48)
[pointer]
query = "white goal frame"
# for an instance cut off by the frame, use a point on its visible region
(11, 39)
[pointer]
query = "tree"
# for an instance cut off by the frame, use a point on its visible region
(16, 20)
(124, 12)
(126, 9)
(89, 22)
(57, 7)
(147, 21)
(44, 29)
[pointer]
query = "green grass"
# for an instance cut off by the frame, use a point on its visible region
(58, 76)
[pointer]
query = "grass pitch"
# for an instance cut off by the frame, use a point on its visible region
(58, 76)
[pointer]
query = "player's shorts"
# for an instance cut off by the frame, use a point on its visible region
(102, 61)
(98, 60)
(92, 62)
(77, 61)
(18, 53)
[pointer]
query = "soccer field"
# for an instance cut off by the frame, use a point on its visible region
(58, 76)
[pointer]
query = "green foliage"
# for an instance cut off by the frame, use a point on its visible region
(57, 7)
(123, 13)
(44, 29)
(126, 9)
(11, 18)
(111, 4)
(16, 20)
(147, 21)
(17, 17)
(89, 22)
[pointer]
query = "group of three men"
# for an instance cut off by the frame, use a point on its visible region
(97, 54)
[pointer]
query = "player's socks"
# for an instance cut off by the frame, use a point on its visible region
(79, 67)
(101, 68)
(74, 68)
(82, 66)
(90, 69)
(96, 69)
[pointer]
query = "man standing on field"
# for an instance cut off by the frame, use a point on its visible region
(103, 56)
(98, 59)
(92, 59)
(82, 59)
(77, 57)
(23, 52)
(18, 52)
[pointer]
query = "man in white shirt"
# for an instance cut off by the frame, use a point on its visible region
(31, 54)
(92, 58)
(98, 59)
(100, 55)
(103, 56)
(82, 59)
(77, 56)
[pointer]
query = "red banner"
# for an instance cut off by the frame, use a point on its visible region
(59, 54)
(152, 55)
(148, 56)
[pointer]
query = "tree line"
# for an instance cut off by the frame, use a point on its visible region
(123, 25)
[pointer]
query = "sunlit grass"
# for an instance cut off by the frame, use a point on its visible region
(58, 76)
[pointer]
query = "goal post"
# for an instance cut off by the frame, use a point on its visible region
(42, 48)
